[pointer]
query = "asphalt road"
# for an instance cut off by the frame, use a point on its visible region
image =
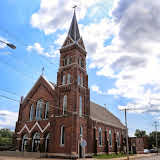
(154, 157)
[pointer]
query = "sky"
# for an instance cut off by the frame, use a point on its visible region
(123, 53)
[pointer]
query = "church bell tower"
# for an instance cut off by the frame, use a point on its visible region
(72, 78)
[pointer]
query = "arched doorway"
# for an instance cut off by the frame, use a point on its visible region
(47, 142)
(24, 143)
(36, 142)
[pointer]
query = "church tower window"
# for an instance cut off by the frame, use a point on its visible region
(69, 79)
(79, 80)
(64, 104)
(39, 110)
(64, 79)
(82, 81)
(80, 105)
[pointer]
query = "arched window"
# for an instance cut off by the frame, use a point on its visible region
(31, 112)
(39, 110)
(47, 142)
(62, 136)
(80, 105)
(110, 138)
(81, 131)
(65, 61)
(69, 79)
(47, 110)
(118, 139)
(82, 63)
(64, 104)
(82, 81)
(64, 79)
(24, 142)
(35, 142)
(70, 60)
(100, 136)
(79, 80)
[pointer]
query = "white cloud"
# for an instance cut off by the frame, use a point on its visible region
(40, 50)
(8, 119)
(56, 15)
(96, 89)
(131, 58)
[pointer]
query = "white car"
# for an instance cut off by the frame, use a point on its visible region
(146, 151)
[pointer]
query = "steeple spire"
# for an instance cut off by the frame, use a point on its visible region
(74, 30)
(73, 37)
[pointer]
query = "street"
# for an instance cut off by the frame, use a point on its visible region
(154, 157)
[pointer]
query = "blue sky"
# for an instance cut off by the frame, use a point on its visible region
(123, 53)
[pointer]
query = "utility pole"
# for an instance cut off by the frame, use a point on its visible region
(126, 134)
(156, 125)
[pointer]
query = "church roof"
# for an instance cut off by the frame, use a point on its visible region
(101, 114)
(74, 30)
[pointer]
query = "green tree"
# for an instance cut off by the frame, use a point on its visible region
(5, 132)
(5, 136)
(140, 133)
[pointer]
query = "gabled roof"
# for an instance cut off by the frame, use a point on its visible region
(101, 114)
(41, 78)
(74, 30)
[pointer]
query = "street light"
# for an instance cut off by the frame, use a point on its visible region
(9, 44)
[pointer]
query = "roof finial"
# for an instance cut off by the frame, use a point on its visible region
(74, 7)
(42, 71)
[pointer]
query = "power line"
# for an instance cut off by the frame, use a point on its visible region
(6, 97)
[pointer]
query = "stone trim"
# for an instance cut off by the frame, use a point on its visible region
(30, 130)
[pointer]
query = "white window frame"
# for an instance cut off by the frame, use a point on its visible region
(62, 142)
(64, 104)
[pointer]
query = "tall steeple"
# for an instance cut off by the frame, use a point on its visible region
(73, 37)
(74, 30)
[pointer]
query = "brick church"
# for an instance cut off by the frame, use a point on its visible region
(59, 118)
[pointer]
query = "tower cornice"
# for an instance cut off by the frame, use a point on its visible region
(71, 47)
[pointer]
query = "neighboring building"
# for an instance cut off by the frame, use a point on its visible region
(57, 118)
(136, 145)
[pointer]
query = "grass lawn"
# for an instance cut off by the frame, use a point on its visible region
(108, 156)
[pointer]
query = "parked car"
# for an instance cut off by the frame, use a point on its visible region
(153, 150)
(146, 151)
